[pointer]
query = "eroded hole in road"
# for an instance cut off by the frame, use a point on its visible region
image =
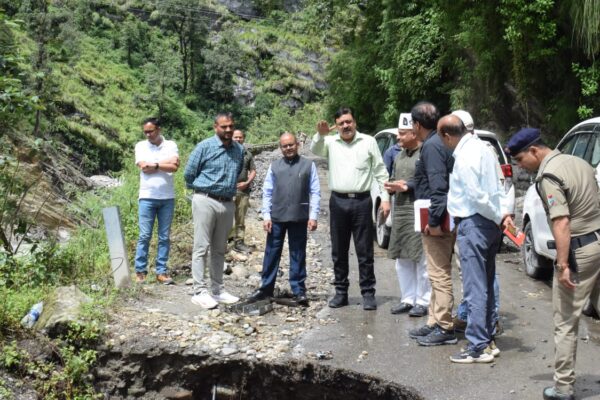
(175, 376)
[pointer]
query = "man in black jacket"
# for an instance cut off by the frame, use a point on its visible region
(431, 182)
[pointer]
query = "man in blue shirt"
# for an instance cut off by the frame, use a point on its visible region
(212, 171)
(291, 195)
(475, 201)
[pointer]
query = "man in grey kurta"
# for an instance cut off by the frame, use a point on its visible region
(405, 244)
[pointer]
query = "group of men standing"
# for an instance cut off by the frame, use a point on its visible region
(438, 160)
(219, 172)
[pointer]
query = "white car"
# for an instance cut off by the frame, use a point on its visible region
(387, 138)
(583, 140)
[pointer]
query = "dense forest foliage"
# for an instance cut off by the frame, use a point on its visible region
(78, 76)
(510, 62)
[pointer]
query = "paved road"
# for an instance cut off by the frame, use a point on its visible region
(523, 369)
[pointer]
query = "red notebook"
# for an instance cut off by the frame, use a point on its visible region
(424, 216)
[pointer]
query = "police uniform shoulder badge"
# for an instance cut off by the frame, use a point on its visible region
(551, 200)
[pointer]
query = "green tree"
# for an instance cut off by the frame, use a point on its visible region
(185, 18)
(162, 75)
(221, 61)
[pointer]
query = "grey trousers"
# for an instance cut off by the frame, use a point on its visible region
(212, 222)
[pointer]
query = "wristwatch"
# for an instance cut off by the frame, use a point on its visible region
(560, 267)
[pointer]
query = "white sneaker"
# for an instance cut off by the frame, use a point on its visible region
(225, 298)
(204, 300)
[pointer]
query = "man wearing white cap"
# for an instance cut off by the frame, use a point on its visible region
(405, 244)
(405, 122)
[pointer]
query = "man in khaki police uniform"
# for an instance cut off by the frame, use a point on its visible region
(242, 196)
(569, 193)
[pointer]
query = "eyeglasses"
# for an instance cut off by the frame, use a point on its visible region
(150, 131)
(288, 146)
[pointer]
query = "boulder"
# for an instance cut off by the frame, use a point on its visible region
(60, 309)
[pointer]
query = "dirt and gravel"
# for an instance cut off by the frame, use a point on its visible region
(161, 327)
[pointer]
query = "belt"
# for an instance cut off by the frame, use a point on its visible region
(360, 195)
(214, 197)
(584, 240)
(578, 241)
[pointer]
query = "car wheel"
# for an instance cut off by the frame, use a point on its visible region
(382, 232)
(536, 266)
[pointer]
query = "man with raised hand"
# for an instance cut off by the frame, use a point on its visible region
(354, 163)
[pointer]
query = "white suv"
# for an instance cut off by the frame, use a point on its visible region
(387, 138)
(583, 140)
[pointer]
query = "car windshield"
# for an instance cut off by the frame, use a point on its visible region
(384, 142)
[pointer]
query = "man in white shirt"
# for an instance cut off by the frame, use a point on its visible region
(475, 201)
(157, 159)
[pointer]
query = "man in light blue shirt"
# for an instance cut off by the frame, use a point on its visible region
(475, 201)
(291, 195)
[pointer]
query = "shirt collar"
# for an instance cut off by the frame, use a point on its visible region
(356, 138)
(219, 143)
(545, 161)
(158, 146)
(293, 160)
(412, 151)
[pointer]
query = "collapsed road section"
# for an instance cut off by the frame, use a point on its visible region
(191, 376)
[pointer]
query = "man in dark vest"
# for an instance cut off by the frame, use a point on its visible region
(291, 195)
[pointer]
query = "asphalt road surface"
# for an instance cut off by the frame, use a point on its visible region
(522, 370)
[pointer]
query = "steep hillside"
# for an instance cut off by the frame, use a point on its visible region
(95, 69)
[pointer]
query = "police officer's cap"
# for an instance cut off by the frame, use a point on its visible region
(522, 140)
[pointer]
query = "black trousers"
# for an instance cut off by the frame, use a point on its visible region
(352, 217)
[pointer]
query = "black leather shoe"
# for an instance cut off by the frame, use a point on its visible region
(241, 247)
(301, 299)
(258, 295)
(401, 308)
(552, 393)
(369, 303)
(418, 311)
(339, 300)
